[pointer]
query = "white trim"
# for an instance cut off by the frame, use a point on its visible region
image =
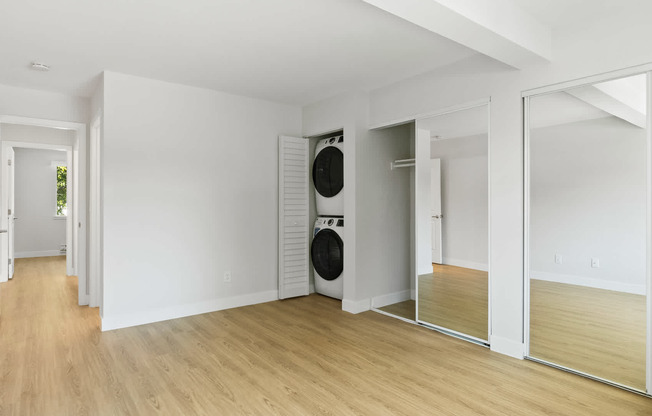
(413, 294)
(311, 287)
(435, 113)
(489, 273)
(356, 306)
(466, 264)
(41, 146)
(43, 253)
(125, 320)
(588, 282)
(391, 315)
(70, 202)
(579, 82)
(507, 347)
(648, 233)
(390, 299)
(526, 226)
(95, 269)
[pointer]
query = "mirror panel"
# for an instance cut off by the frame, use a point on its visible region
(587, 229)
(452, 200)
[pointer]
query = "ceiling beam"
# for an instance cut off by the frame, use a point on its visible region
(608, 102)
(496, 28)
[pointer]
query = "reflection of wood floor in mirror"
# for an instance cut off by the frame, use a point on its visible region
(599, 332)
(455, 298)
(403, 309)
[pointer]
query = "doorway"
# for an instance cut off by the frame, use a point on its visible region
(34, 134)
(38, 198)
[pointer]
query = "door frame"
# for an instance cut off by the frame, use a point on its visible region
(526, 96)
(76, 221)
(95, 266)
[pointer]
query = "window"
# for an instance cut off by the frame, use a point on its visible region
(62, 192)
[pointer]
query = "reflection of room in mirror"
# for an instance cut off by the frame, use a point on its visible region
(455, 298)
(587, 229)
(453, 262)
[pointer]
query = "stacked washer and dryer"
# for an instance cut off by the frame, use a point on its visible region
(327, 249)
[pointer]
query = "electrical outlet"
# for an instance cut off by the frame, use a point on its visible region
(227, 276)
(595, 262)
(558, 258)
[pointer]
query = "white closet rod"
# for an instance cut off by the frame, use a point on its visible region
(402, 163)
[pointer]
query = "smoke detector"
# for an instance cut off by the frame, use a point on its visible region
(37, 66)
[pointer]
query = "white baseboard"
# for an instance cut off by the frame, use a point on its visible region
(413, 294)
(589, 282)
(124, 320)
(466, 264)
(29, 254)
(356, 306)
(390, 299)
(507, 347)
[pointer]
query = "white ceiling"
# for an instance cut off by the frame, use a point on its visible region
(564, 13)
(292, 51)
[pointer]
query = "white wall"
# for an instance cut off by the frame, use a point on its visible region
(385, 256)
(36, 134)
(465, 198)
(587, 192)
(24, 102)
(37, 231)
(190, 191)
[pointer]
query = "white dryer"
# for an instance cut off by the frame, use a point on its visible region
(328, 176)
(327, 254)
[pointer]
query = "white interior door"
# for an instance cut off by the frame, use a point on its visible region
(435, 210)
(423, 201)
(293, 223)
(10, 209)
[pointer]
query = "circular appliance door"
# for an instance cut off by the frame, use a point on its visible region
(328, 171)
(327, 253)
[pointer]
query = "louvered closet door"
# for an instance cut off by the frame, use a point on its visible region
(293, 227)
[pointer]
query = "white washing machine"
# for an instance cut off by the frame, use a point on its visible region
(328, 176)
(327, 254)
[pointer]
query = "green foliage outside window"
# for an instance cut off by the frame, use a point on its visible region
(62, 176)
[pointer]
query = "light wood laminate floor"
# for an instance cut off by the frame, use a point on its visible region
(455, 298)
(301, 356)
(596, 331)
(405, 309)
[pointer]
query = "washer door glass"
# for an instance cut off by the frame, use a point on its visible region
(328, 171)
(327, 253)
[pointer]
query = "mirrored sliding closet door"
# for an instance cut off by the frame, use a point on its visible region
(452, 189)
(587, 226)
